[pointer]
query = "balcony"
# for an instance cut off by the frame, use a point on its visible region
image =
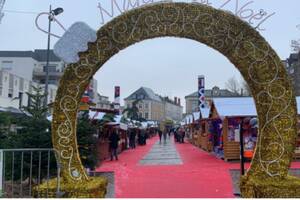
(57, 74)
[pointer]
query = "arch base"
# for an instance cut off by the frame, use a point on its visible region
(95, 187)
(253, 187)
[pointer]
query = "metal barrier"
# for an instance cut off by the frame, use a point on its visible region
(23, 169)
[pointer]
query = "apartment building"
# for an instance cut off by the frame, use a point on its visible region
(153, 106)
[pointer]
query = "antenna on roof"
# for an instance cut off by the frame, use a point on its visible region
(2, 2)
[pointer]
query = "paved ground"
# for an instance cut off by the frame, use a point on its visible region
(162, 153)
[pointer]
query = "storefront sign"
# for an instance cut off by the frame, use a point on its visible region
(240, 8)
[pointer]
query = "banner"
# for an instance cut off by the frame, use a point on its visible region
(201, 91)
(117, 95)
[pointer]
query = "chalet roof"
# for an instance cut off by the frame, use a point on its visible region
(238, 106)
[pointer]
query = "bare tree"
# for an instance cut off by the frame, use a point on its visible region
(245, 87)
(233, 85)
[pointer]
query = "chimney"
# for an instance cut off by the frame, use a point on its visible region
(179, 101)
(175, 100)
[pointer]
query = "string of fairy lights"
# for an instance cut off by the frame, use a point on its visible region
(3, 11)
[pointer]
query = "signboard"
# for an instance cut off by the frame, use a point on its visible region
(84, 107)
(244, 9)
(117, 95)
(201, 90)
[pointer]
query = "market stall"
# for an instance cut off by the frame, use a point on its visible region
(204, 136)
(228, 115)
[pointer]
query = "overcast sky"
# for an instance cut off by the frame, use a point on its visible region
(169, 66)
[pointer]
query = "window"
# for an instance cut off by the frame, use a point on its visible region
(7, 65)
(140, 106)
(52, 81)
(146, 115)
(146, 105)
(51, 68)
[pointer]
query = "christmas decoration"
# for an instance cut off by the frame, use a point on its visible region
(237, 40)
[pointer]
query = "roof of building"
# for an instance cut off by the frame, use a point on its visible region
(210, 93)
(41, 56)
(38, 54)
(147, 92)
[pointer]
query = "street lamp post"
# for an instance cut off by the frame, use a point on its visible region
(52, 13)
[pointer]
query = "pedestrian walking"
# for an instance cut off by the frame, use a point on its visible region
(132, 136)
(114, 143)
(165, 137)
(181, 135)
(160, 135)
(176, 135)
(169, 133)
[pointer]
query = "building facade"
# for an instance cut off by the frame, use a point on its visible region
(292, 65)
(29, 68)
(13, 90)
(103, 102)
(154, 107)
(192, 99)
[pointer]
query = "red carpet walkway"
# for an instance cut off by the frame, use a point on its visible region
(201, 175)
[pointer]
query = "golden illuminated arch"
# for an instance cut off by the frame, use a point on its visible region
(239, 42)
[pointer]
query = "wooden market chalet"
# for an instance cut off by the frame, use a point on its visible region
(216, 128)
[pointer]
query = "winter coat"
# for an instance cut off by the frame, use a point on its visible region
(114, 140)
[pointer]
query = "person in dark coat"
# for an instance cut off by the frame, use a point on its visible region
(160, 135)
(132, 136)
(182, 135)
(114, 143)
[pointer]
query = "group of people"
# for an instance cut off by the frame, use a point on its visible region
(162, 134)
(134, 135)
(141, 136)
(179, 135)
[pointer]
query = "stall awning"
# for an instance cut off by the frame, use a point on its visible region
(204, 112)
(238, 106)
(96, 115)
(196, 115)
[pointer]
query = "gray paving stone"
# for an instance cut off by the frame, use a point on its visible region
(162, 154)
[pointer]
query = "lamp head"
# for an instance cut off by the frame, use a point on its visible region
(57, 11)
